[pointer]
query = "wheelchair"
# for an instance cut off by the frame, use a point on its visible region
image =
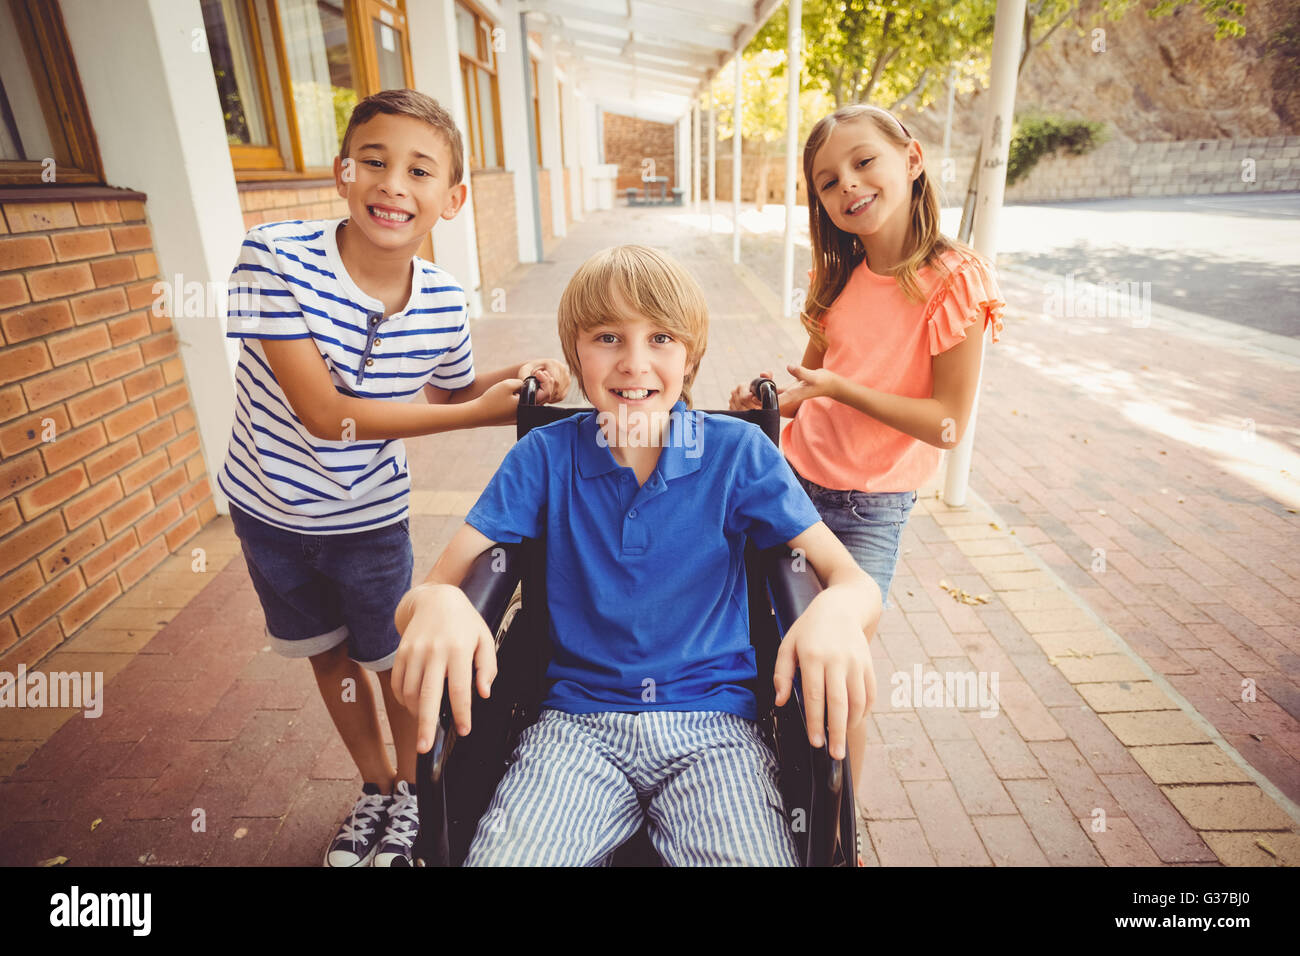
(507, 585)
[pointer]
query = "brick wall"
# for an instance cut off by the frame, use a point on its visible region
(544, 204)
(1123, 168)
(261, 205)
(493, 194)
(629, 140)
(751, 176)
(100, 468)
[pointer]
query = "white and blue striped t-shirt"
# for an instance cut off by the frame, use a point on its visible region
(290, 283)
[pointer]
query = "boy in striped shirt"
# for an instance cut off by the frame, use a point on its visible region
(341, 327)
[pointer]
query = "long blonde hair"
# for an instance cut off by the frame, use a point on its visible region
(836, 253)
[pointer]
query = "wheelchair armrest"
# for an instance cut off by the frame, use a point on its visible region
(792, 584)
(489, 584)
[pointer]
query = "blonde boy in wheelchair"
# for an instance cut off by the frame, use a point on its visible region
(646, 506)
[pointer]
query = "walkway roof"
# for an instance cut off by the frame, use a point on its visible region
(648, 58)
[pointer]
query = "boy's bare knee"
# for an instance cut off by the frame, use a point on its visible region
(336, 658)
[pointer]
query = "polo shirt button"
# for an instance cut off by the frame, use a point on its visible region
(370, 362)
(632, 513)
(378, 342)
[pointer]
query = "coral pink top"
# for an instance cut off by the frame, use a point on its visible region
(879, 338)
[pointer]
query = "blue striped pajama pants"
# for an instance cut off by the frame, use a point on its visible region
(576, 783)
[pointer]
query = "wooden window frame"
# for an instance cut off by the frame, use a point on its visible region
(365, 68)
(485, 60)
(247, 157)
(53, 69)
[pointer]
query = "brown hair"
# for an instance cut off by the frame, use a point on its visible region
(418, 105)
(650, 283)
(836, 254)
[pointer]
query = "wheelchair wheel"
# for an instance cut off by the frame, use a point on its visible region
(516, 602)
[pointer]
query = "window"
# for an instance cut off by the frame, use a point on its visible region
(478, 73)
(45, 131)
(289, 73)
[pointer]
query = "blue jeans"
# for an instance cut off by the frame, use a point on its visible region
(870, 524)
(318, 591)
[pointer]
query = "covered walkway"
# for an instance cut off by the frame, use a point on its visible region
(213, 750)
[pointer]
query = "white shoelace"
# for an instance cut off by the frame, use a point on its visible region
(403, 818)
(364, 817)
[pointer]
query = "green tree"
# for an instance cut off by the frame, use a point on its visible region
(885, 51)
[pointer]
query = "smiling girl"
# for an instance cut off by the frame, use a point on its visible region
(889, 375)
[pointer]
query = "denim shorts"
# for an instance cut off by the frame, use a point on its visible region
(870, 525)
(319, 590)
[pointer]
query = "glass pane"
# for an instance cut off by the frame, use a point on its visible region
(388, 54)
(320, 71)
(23, 131)
(487, 108)
(235, 68)
(466, 36)
(471, 114)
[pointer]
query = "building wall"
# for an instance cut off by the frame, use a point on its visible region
(493, 194)
(751, 176)
(100, 468)
(1124, 168)
(277, 204)
(629, 140)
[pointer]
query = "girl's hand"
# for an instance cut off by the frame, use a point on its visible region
(810, 383)
(742, 397)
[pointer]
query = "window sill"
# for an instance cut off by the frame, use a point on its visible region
(53, 192)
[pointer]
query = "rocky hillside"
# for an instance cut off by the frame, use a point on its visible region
(1165, 79)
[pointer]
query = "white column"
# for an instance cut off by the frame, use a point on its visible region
(713, 159)
(548, 104)
(516, 120)
(695, 155)
(159, 129)
(435, 64)
(589, 151)
(794, 65)
(1008, 27)
(735, 160)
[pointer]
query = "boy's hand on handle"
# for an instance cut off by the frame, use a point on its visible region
(444, 639)
(552, 379)
(834, 660)
(500, 403)
(743, 398)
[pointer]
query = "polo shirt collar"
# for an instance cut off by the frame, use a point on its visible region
(684, 428)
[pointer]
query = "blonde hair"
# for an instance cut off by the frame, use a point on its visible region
(836, 254)
(650, 283)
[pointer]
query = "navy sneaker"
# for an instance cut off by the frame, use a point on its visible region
(403, 824)
(358, 837)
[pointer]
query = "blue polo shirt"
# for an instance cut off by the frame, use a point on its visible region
(646, 585)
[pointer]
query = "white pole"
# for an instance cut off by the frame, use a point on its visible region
(713, 158)
(1008, 27)
(695, 156)
(735, 163)
(793, 68)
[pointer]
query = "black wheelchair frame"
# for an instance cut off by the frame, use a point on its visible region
(458, 776)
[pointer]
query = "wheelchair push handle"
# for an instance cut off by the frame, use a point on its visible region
(528, 393)
(764, 389)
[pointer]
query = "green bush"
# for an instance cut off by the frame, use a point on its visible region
(1039, 136)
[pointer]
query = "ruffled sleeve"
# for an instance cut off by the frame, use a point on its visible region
(968, 295)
